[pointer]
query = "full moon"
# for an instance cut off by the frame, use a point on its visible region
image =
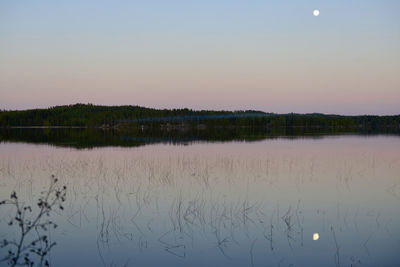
(315, 236)
(316, 12)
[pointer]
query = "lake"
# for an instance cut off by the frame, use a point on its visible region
(245, 200)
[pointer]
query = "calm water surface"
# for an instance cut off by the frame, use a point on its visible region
(217, 204)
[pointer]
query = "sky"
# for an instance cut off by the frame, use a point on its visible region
(269, 55)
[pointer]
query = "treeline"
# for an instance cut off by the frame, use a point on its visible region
(88, 115)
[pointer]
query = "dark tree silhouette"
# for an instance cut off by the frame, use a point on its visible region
(32, 246)
(88, 115)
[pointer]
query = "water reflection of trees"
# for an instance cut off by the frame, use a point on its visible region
(131, 137)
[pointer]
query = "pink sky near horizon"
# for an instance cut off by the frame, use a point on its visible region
(251, 56)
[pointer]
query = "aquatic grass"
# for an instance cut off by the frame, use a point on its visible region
(222, 201)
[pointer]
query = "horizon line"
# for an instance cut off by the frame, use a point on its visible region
(196, 110)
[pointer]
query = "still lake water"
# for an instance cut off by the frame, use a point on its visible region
(258, 203)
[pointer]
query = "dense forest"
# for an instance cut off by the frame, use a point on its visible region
(88, 115)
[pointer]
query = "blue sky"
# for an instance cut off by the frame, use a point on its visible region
(269, 55)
